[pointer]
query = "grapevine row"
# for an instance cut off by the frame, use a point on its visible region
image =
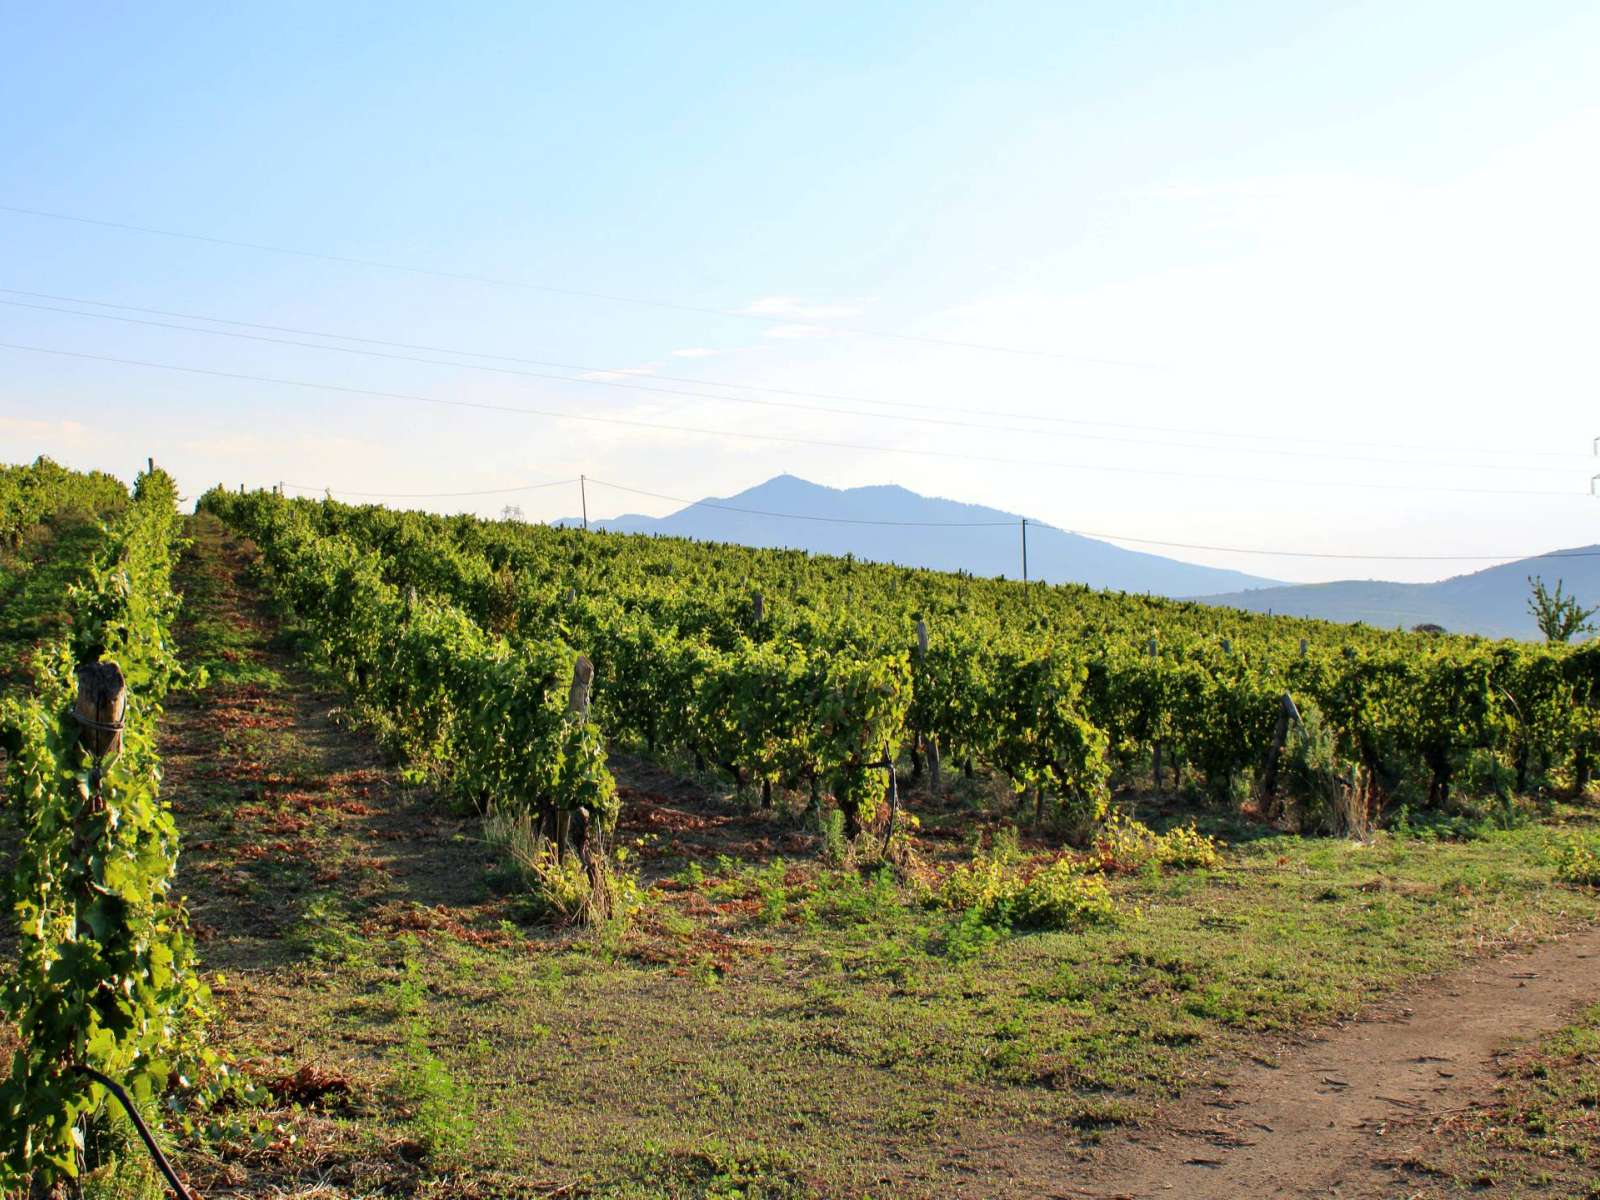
(1054, 687)
(105, 975)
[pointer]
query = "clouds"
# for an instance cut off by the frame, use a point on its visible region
(793, 309)
(618, 373)
(792, 331)
(800, 318)
(28, 427)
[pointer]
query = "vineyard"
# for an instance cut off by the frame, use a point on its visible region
(796, 672)
(527, 860)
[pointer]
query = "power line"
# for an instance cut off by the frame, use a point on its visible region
(655, 389)
(1119, 537)
(777, 438)
(1110, 537)
(1005, 524)
(527, 285)
(644, 387)
(522, 487)
(849, 399)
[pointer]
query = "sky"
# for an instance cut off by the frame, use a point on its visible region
(1305, 277)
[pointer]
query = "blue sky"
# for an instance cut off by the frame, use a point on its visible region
(1360, 234)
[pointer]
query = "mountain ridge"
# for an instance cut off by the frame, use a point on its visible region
(1492, 602)
(890, 523)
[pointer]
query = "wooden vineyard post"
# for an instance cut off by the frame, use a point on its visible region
(579, 824)
(102, 699)
(578, 693)
(758, 608)
(1304, 646)
(930, 741)
(1280, 734)
(1153, 648)
(577, 710)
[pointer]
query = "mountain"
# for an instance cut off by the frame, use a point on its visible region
(819, 519)
(1492, 602)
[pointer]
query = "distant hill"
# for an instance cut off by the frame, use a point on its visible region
(821, 524)
(1492, 602)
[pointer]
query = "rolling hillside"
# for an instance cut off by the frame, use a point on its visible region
(1492, 602)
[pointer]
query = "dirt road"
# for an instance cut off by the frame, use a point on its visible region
(1340, 1114)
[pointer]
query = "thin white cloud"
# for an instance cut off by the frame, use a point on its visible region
(696, 352)
(25, 425)
(619, 373)
(794, 331)
(794, 309)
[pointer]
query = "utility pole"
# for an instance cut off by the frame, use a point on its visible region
(1024, 549)
(583, 493)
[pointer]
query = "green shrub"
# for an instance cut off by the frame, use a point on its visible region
(1060, 895)
(1578, 861)
(439, 1103)
(1127, 844)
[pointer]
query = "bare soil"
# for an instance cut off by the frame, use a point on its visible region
(1346, 1112)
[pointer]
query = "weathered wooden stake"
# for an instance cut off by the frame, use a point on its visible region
(582, 680)
(102, 699)
(930, 742)
(1153, 649)
(1304, 646)
(1280, 734)
(577, 706)
(587, 842)
(758, 608)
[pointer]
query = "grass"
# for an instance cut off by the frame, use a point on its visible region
(778, 1019)
(856, 1028)
(1539, 1134)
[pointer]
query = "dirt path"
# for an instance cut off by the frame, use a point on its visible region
(281, 803)
(1341, 1114)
